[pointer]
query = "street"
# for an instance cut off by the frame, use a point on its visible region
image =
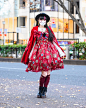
(18, 89)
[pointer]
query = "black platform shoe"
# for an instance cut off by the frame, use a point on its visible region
(44, 92)
(39, 95)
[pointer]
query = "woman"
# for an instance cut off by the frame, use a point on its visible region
(43, 53)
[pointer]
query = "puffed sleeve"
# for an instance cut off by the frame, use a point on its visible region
(55, 42)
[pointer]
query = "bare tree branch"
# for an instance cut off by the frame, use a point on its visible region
(75, 4)
(80, 25)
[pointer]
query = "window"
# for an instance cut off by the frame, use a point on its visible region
(43, 5)
(71, 26)
(22, 21)
(66, 3)
(22, 3)
(35, 5)
(66, 25)
(47, 2)
(52, 5)
(60, 26)
(77, 28)
(71, 8)
(77, 5)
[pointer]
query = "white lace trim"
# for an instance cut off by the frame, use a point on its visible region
(60, 51)
(41, 29)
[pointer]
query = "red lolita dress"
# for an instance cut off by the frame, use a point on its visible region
(45, 55)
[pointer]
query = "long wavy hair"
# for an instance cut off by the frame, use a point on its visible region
(51, 36)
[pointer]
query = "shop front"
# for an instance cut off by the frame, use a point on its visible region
(63, 28)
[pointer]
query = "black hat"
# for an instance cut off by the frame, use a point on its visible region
(42, 14)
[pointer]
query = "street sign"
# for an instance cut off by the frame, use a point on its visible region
(53, 25)
(0, 32)
(53, 20)
(5, 32)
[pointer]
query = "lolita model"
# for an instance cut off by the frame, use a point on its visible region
(43, 53)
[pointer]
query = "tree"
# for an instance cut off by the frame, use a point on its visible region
(81, 23)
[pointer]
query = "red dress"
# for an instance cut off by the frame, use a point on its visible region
(44, 55)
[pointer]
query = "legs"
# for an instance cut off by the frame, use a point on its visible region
(42, 78)
(45, 78)
(43, 83)
(46, 82)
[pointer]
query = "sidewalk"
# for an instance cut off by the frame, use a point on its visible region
(18, 89)
(71, 62)
(22, 94)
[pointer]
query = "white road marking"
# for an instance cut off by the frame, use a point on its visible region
(12, 68)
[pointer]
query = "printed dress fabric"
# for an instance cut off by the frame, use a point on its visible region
(44, 55)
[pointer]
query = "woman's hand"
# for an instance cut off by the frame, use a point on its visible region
(62, 57)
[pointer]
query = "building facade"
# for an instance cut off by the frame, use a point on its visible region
(19, 15)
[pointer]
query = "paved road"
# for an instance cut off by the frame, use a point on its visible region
(18, 89)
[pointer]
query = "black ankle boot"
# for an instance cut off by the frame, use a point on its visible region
(39, 95)
(44, 92)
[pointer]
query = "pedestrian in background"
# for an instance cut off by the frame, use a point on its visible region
(43, 53)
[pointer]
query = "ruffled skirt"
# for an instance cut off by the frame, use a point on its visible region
(44, 57)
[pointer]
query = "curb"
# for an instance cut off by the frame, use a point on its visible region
(70, 62)
(10, 60)
(75, 62)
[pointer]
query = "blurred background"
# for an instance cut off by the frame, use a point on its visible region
(17, 20)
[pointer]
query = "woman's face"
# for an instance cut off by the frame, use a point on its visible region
(42, 22)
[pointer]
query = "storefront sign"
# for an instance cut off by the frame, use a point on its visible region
(53, 25)
(53, 20)
(63, 43)
(5, 32)
(0, 32)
